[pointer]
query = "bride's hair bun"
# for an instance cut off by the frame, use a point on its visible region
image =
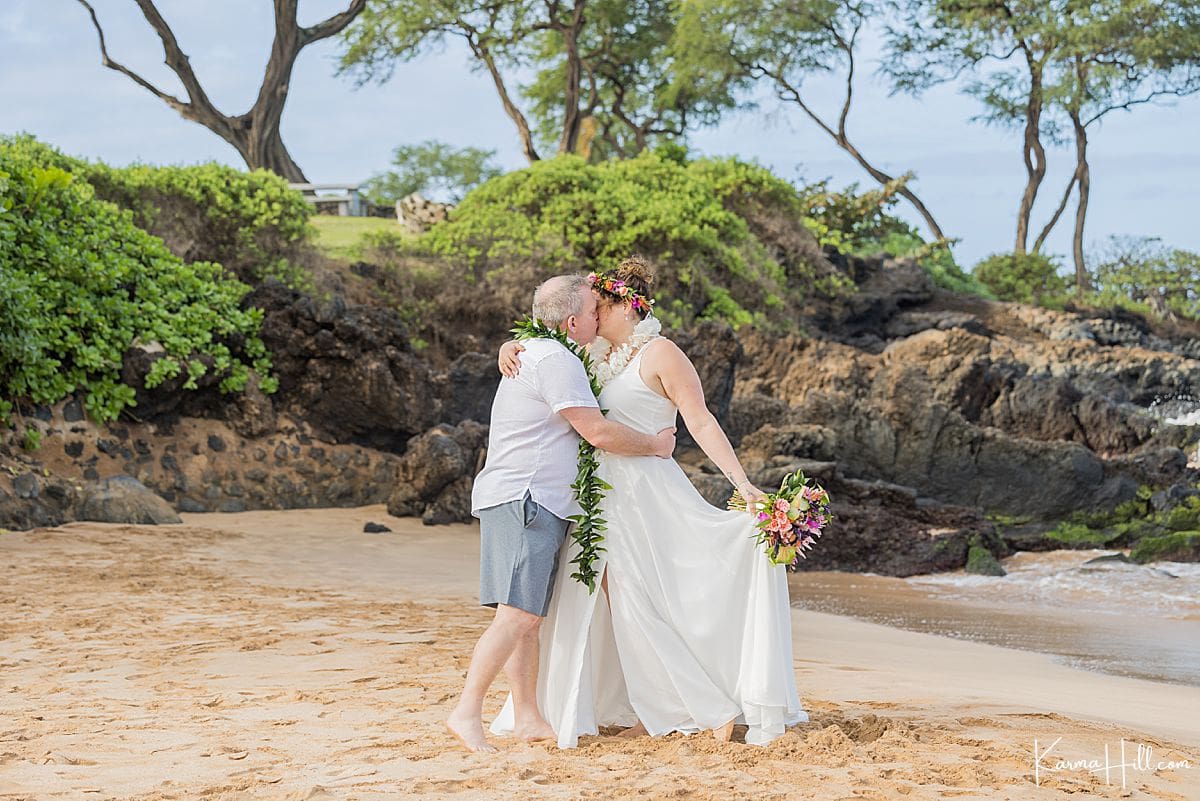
(636, 273)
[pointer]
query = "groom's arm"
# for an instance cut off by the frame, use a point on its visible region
(613, 437)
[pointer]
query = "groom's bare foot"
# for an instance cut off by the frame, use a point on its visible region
(636, 730)
(532, 732)
(469, 731)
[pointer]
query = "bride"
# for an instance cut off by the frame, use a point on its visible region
(691, 628)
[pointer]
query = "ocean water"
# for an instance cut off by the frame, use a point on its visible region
(1113, 617)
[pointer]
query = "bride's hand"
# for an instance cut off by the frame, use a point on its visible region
(753, 496)
(510, 359)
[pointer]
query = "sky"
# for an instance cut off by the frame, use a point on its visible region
(1145, 165)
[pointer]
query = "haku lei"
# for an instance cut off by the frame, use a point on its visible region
(589, 488)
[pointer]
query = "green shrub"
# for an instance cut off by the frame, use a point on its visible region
(82, 284)
(860, 224)
(563, 215)
(1143, 275)
(1024, 278)
(249, 222)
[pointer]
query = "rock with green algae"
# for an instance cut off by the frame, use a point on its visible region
(983, 562)
(1180, 546)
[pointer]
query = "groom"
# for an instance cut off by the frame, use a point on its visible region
(523, 497)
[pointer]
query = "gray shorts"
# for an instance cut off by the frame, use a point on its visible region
(518, 551)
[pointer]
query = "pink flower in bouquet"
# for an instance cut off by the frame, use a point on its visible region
(781, 505)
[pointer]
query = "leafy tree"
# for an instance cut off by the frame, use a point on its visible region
(604, 81)
(631, 98)
(255, 133)
(1120, 54)
(432, 167)
(936, 41)
(392, 31)
(1064, 66)
(727, 45)
(1143, 272)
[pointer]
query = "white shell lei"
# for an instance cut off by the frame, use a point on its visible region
(608, 363)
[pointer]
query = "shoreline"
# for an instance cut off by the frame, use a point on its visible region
(290, 655)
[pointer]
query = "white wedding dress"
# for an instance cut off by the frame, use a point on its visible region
(700, 626)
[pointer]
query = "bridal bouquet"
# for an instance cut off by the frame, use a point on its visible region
(789, 521)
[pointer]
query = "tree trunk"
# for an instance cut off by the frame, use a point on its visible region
(1034, 154)
(255, 134)
(484, 54)
(883, 178)
(1082, 279)
(571, 111)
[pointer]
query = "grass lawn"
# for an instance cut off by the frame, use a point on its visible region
(339, 236)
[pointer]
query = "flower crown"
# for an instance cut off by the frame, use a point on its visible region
(619, 289)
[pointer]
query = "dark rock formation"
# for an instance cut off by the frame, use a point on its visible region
(878, 527)
(434, 476)
(348, 371)
(467, 387)
(715, 350)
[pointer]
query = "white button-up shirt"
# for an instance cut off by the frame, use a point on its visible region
(531, 447)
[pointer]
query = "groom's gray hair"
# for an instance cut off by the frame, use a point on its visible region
(558, 298)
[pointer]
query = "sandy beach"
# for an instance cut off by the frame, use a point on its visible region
(289, 655)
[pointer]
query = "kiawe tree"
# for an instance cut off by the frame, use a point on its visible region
(603, 70)
(733, 44)
(1053, 70)
(255, 133)
(495, 31)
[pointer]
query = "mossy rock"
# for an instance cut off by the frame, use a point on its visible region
(1184, 518)
(1181, 546)
(983, 562)
(1077, 535)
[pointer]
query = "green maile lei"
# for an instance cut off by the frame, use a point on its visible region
(589, 488)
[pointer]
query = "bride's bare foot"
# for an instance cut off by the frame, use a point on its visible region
(532, 732)
(469, 731)
(724, 733)
(636, 730)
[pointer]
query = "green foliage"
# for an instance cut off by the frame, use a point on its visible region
(1142, 274)
(432, 168)
(1181, 546)
(85, 284)
(1024, 278)
(636, 97)
(861, 224)
(249, 222)
(565, 215)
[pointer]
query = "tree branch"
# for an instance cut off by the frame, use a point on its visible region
(333, 25)
(169, 99)
(177, 60)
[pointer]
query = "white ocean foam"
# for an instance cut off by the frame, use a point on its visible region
(1191, 418)
(1061, 579)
